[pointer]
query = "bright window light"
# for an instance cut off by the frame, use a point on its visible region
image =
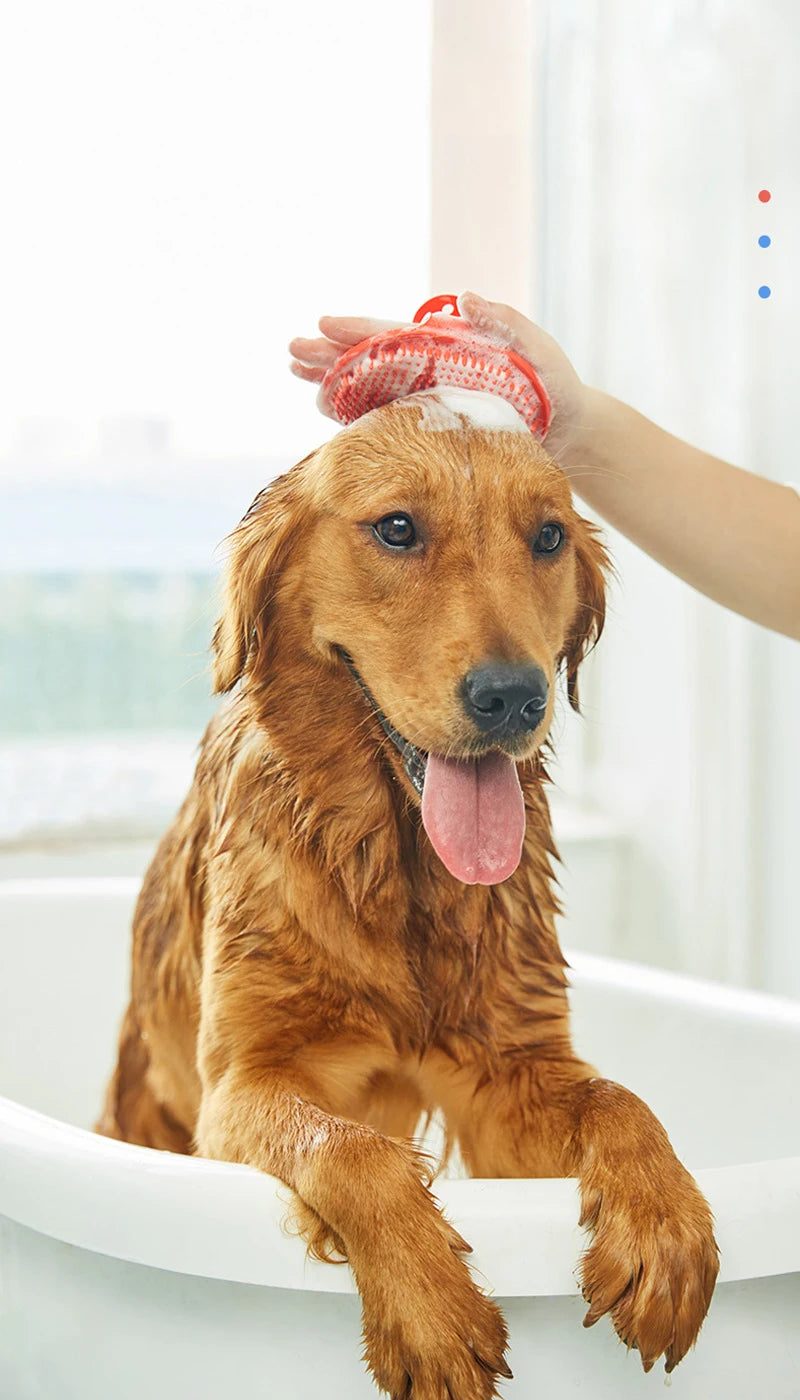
(185, 187)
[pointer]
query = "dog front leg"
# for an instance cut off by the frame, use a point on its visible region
(426, 1324)
(653, 1260)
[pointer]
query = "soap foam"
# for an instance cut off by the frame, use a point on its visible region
(449, 409)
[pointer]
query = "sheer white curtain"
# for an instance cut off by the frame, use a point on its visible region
(636, 139)
(660, 125)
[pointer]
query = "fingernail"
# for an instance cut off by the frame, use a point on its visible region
(473, 305)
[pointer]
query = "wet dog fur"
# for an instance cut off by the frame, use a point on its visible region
(309, 980)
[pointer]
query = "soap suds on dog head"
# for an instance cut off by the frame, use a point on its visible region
(450, 409)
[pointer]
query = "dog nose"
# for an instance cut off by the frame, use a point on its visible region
(505, 697)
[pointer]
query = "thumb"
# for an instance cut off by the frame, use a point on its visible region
(493, 317)
(496, 319)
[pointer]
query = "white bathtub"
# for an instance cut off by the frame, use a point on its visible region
(126, 1273)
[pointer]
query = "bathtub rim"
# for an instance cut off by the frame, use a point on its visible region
(140, 1205)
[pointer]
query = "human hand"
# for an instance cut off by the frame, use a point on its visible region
(569, 395)
(313, 358)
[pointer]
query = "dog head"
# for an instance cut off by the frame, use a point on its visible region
(431, 555)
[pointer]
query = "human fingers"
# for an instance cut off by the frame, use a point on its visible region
(350, 330)
(319, 351)
(314, 375)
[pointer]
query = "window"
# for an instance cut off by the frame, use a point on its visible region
(191, 186)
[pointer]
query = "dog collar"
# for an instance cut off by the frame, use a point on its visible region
(414, 759)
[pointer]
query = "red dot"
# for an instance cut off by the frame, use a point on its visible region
(764, 195)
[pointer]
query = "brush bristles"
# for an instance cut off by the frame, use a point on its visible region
(383, 372)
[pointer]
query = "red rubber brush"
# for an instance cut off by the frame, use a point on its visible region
(438, 350)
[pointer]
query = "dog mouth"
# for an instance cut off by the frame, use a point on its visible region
(473, 810)
(415, 760)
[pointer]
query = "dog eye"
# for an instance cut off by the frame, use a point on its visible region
(396, 530)
(549, 539)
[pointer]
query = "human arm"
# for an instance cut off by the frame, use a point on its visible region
(731, 534)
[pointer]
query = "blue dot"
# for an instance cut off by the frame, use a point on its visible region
(764, 291)
(764, 241)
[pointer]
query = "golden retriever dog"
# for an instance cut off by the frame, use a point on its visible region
(351, 922)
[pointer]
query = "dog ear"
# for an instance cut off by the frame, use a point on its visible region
(593, 567)
(260, 548)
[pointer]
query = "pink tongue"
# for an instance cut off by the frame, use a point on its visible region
(474, 813)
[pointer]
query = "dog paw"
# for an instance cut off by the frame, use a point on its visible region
(430, 1333)
(652, 1264)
